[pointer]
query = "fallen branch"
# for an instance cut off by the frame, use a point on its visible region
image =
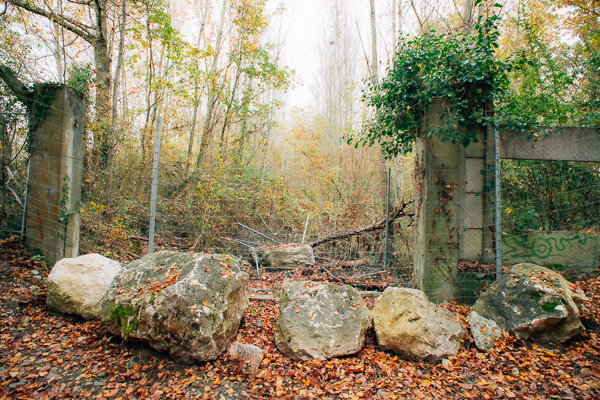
(394, 215)
(345, 264)
(161, 243)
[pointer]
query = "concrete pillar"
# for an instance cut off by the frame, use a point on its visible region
(454, 209)
(55, 173)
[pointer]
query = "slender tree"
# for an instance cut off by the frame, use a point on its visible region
(96, 34)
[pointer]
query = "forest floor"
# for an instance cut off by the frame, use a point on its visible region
(44, 355)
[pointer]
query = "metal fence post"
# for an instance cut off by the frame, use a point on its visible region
(154, 186)
(387, 221)
(498, 223)
(24, 220)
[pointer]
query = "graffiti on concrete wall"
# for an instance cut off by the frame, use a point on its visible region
(556, 248)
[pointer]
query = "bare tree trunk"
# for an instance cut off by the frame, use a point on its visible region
(230, 106)
(115, 91)
(374, 61)
(197, 92)
(419, 17)
(103, 84)
(468, 13)
(149, 79)
(56, 35)
(212, 96)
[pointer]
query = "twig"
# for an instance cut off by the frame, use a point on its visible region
(263, 221)
(161, 243)
(346, 264)
(257, 232)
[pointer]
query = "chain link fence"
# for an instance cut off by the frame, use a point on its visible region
(549, 202)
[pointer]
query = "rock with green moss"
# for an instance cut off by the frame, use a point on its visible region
(533, 301)
(76, 285)
(187, 304)
(320, 321)
(485, 331)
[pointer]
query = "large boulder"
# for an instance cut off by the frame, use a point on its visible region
(485, 331)
(288, 256)
(187, 304)
(76, 285)
(320, 321)
(533, 301)
(407, 323)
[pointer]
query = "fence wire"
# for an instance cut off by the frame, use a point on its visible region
(550, 208)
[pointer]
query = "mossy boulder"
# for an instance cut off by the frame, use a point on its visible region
(187, 304)
(320, 321)
(533, 301)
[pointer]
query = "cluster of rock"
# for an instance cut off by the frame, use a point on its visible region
(190, 305)
(187, 304)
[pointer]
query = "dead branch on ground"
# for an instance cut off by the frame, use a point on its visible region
(394, 215)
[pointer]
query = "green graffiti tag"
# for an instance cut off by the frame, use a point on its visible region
(566, 248)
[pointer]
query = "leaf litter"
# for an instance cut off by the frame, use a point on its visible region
(45, 355)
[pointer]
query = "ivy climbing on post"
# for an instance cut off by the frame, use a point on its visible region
(460, 67)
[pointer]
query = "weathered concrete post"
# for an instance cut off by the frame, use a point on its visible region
(452, 199)
(56, 159)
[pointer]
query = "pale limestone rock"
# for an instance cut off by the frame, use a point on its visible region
(320, 321)
(289, 256)
(76, 285)
(407, 323)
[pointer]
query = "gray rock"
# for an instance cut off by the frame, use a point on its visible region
(407, 323)
(35, 272)
(17, 384)
(76, 285)
(533, 301)
(289, 256)
(99, 383)
(320, 321)
(447, 364)
(187, 304)
(485, 331)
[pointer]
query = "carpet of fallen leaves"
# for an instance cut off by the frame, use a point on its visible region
(44, 355)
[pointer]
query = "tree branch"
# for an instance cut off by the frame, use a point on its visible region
(397, 213)
(70, 24)
(16, 86)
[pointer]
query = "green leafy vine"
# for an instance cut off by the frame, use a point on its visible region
(460, 68)
(64, 212)
(43, 101)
